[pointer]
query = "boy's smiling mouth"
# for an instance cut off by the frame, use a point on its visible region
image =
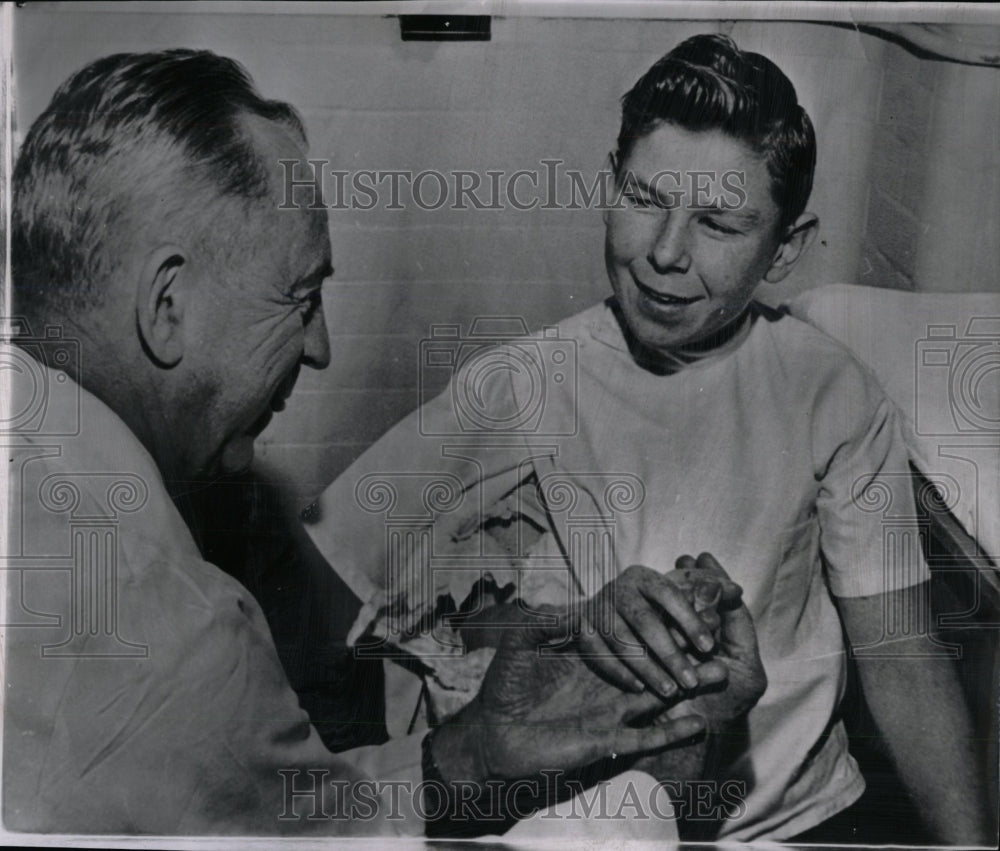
(663, 298)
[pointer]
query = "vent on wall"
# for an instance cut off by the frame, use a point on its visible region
(444, 27)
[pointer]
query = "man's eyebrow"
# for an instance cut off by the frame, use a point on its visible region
(312, 280)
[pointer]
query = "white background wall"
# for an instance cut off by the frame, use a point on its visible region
(907, 185)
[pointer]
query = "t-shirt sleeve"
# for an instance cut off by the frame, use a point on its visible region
(419, 488)
(865, 503)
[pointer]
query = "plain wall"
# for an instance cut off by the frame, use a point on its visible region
(542, 89)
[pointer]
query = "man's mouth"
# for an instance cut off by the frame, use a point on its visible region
(276, 405)
(284, 391)
(663, 298)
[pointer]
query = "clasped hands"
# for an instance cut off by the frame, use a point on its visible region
(653, 660)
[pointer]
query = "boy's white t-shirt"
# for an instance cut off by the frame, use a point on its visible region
(783, 459)
(781, 456)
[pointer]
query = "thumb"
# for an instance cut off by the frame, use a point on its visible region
(731, 592)
(738, 631)
(546, 624)
(707, 593)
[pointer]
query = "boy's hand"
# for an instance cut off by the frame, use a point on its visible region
(746, 681)
(646, 629)
(722, 704)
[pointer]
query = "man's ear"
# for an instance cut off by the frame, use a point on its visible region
(160, 303)
(796, 241)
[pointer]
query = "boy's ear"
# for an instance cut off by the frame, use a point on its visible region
(160, 304)
(613, 168)
(796, 241)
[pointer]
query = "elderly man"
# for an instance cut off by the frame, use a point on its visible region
(173, 305)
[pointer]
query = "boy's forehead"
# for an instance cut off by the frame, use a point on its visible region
(669, 159)
(668, 147)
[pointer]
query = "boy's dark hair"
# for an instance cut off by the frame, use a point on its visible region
(152, 126)
(708, 83)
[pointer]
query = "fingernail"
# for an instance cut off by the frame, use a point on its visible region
(689, 678)
(667, 688)
(709, 593)
(706, 643)
(638, 685)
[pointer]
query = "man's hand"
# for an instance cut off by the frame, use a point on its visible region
(644, 626)
(547, 710)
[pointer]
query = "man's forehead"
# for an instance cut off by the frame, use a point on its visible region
(274, 140)
(300, 234)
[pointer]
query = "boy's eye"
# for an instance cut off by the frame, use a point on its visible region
(713, 224)
(638, 202)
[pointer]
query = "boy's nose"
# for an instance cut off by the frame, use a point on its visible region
(669, 251)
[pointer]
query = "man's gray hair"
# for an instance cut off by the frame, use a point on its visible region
(121, 147)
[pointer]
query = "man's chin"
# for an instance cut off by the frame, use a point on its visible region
(237, 455)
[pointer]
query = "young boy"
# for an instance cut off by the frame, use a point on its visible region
(743, 431)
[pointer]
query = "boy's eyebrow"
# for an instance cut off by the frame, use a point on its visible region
(746, 214)
(749, 215)
(640, 182)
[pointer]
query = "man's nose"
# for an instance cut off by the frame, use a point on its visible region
(316, 346)
(669, 251)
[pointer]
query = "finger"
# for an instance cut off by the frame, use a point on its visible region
(685, 562)
(593, 650)
(620, 708)
(553, 623)
(657, 588)
(632, 740)
(730, 590)
(707, 593)
(710, 617)
(712, 673)
(661, 665)
(678, 637)
(738, 633)
(618, 639)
